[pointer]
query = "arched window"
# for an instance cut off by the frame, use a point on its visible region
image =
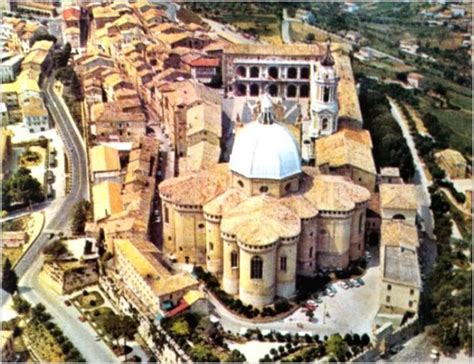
(326, 94)
(291, 73)
(256, 268)
(304, 90)
(325, 124)
(254, 91)
(241, 89)
(273, 90)
(242, 71)
(311, 252)
(291, 91)
(233, 259)
(304, 73)
(361, 220)
(283, 264)
(263, 189)
(273, 72)
(398, 217)
(254, 72)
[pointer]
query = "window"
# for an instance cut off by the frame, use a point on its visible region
(256, 268)
(211, 246)
(387, 299)
(325, 124)
(412, 292)
(410, 303)
(201, 226)
(361, 220)
(263, 189)
(233, 259)
(240, 183)
(283, 264)
(389, 287)
(287, 187)
(167, 217)
(311, 252)
(326, 94)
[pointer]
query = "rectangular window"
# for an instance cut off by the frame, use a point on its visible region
(167, 218)
(387, 299)
(412, 292)
(233, 259)
(410, 303)
(389, 287)
(283, 264)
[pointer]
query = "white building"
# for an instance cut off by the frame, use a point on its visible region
(4, 119)
(10, 68)
(324, 104)
(35, 115)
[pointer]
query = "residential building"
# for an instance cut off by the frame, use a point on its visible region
(416, 80)
(398, 202)
(104, 164)
(35, 115)
(390, 175)
(408, 46)
(107, 200)
(10, 68)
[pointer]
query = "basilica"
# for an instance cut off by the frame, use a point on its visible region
(263, 219)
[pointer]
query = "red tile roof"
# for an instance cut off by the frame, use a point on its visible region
(205, 62)
(71, 14)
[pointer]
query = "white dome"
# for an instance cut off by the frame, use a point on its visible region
(265, 151)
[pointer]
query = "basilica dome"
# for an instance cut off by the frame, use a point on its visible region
(264, 149)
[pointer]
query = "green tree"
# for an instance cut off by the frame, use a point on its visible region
(55, 249)
(9, 278)
(22, 188)
(81, 213)
(236, 357)
(336, 346)
(21, 305)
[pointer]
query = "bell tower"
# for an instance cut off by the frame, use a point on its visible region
(324, 104)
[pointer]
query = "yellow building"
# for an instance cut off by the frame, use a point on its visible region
(263, 219)
(107, 199)
(398, 201)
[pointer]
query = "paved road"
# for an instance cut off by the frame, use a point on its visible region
(227, 33)
(75, 150)
(82, 335)
(422, 183)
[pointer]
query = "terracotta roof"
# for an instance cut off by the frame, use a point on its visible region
(107, 199)
(300, 205)
(399, 233)
(174, 283)
(205, 62)
(202, 155)
(224, 202)
(332, 193)
(111, 112)
(451, 157)
(261, 220)
(415, 76)
(301, 50)
(346, 147)
(71, 14)
(171, 38)
(373, 207)
(34, 108)
(196, 188)
(398, 196)
(100, 12)
(104, 159)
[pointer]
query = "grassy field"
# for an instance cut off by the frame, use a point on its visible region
(265, 27)
(299, 31)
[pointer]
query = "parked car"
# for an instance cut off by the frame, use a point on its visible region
(158, 219)
(361, 281)
(82, 318)
(50, 176)
(310, 305)
(349, 283)
(329, 292)
(343, 285)
(368, 256)
(355, 283)
(67, 303)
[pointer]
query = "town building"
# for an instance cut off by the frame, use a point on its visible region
(398, 202)
(13, 239)
(452, 162)
(261, 220)
(107, 199)
(104, 163)
(35, 115)
(416, 80)
(10, 68)
(390, 175)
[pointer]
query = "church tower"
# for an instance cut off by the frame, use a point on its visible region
(324, 105)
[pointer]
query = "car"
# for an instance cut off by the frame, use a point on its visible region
(349, 283)
(355, 283)
(67, 303)
(343, 285)
(50, 176)
(158, 219)
(318, 300)
(368, 256)
(361, 281)
(329, 292)
(157, 212)
(82, 318)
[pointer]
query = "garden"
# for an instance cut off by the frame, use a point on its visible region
(199, 338)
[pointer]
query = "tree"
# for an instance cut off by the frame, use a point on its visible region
(55, 249)
(365, 340)
(21, 305)
(310, 37)
(21, 187)
(336, 346)
(236, 357)
(9, 278)
(81, 213)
